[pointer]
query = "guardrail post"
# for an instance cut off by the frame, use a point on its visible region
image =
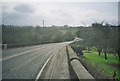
(5, 46)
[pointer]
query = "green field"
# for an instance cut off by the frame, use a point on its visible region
(108, 65)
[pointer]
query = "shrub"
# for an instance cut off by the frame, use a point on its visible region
(78, 49)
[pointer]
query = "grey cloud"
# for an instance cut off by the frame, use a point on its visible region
(23, 12)
(14, 16)
(22, 8)
(58, 15)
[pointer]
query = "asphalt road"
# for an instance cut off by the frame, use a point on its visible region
(26, 62)
(57, 67)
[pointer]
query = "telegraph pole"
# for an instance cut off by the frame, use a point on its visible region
(43, 23)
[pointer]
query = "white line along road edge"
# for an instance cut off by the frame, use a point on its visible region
(39, 74)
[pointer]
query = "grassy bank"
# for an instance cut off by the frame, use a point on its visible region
(109, 65)
(92, 57)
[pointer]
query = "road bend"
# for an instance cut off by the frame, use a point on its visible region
(27, 62)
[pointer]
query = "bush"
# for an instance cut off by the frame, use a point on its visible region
(78, 49)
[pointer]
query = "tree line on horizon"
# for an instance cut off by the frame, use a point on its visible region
(104, 37)
(17, 36)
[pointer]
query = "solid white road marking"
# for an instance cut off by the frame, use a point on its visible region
(19, 54)
(39, 74)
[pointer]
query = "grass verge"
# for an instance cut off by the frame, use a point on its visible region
(108, 66)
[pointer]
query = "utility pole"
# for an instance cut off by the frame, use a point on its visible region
(43, 23)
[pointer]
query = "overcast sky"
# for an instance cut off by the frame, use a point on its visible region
(59, 13)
